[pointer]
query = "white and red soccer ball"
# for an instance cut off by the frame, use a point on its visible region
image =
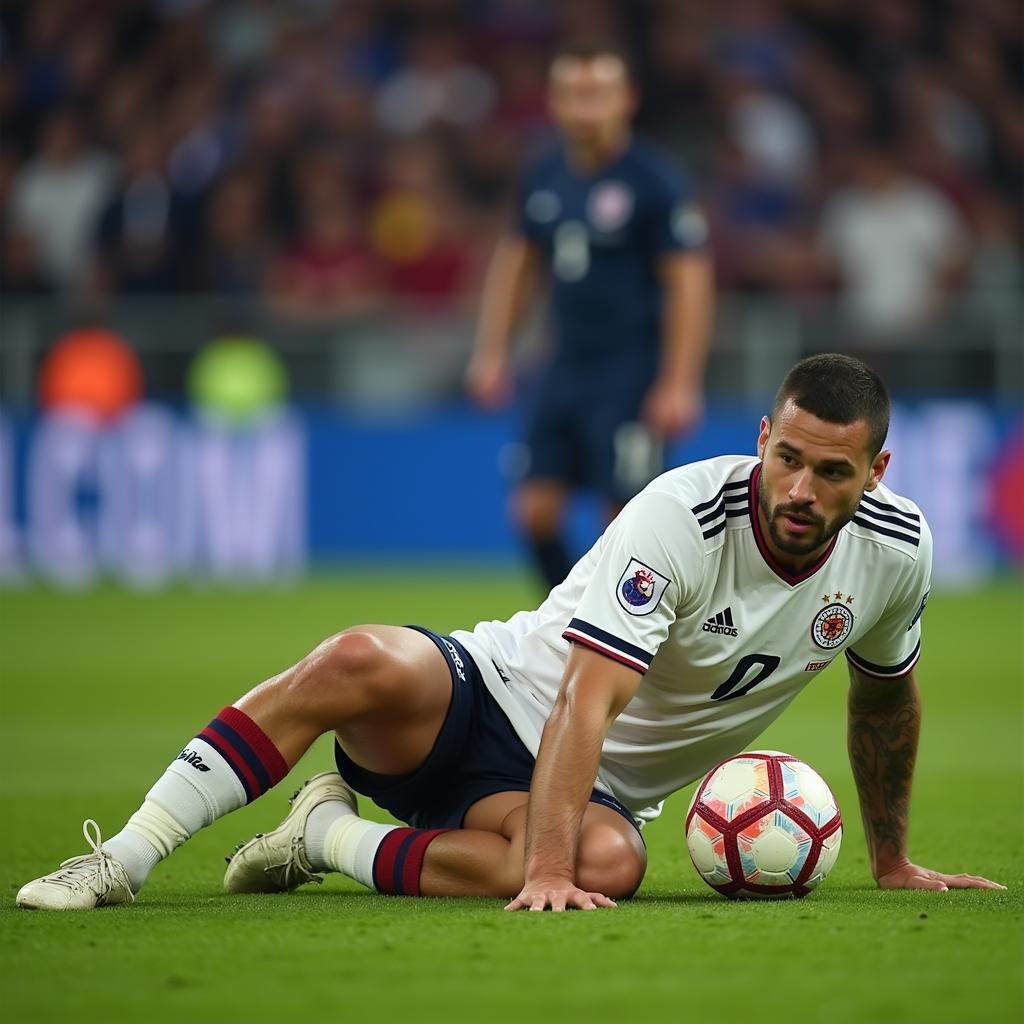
(762, 825)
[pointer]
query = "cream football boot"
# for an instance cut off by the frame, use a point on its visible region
(95, 879)
(276, 861)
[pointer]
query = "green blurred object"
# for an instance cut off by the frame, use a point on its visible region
(238, 379)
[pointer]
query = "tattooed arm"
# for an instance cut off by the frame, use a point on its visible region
(884, 723)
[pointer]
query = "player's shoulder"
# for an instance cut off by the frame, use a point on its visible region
(890, 520)
(656, 166)
(716, 491)
(542, 164)
(645, 152)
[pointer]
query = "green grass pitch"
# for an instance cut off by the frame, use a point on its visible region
(99, 691)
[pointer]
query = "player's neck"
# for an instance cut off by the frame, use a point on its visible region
(601, 152)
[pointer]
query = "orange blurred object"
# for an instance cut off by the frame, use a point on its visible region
(91, 370)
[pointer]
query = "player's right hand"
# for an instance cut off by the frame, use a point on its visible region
(557, 894)
(488, 382)
(911, 876)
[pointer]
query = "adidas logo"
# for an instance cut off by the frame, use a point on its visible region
(192, 758)
(721, 623)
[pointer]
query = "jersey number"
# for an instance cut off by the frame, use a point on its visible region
(571, 258)
(766, 663)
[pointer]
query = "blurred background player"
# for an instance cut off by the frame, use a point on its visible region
(611, 222)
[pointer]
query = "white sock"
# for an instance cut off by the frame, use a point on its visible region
(318, 823)
(199, 786)
(339, 840)
(182, 801)
(136, 850)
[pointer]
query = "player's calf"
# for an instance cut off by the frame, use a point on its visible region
(228, 764)
(250, 747)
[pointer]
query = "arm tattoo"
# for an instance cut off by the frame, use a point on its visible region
(884, 723)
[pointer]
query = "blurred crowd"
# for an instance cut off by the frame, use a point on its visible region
(329, 157)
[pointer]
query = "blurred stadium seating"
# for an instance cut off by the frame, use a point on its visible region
(329, 177)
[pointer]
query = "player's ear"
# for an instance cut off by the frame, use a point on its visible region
(762, 439)
(878, 468)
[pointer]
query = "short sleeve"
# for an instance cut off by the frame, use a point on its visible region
(891, 648)
(679, 223)
(652, 562)
(535, 206)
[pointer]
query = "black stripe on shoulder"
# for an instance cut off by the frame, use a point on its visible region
(736, 485)
(883, 506)
(714, 530)
(867, 524)
(715, 513)
(892, 520)
(742, 510)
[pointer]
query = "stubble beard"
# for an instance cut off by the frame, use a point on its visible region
(824, 531)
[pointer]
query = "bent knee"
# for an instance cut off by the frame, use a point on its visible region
(610, 861)
(351, 654)
(354, 659)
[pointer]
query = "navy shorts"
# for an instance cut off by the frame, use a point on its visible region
(477, 753)
(589, 434)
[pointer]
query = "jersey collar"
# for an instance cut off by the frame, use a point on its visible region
(593, 173)
(780, 570)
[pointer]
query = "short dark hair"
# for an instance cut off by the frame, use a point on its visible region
(591, 49)
(838, 389)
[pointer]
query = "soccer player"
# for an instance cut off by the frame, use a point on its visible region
(525, 755)
(612, 224)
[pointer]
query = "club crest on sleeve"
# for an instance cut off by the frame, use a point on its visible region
(640, 588)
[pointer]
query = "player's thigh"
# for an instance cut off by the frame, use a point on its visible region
(409, 688)
(552, 448)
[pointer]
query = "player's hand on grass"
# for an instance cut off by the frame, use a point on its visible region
(910, 876)
(557, 894)
(669, 410)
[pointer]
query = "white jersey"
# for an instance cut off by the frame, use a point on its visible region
(682, 588)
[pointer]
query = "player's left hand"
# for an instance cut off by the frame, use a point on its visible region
(669, 410)
(910, 876)
(557, 894)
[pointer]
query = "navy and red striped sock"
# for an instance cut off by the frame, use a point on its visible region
(255, 761)
(398, 863)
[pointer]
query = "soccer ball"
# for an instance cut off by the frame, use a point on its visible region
(763, 825)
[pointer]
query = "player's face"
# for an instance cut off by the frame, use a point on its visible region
(590, 100)
(813, 476)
